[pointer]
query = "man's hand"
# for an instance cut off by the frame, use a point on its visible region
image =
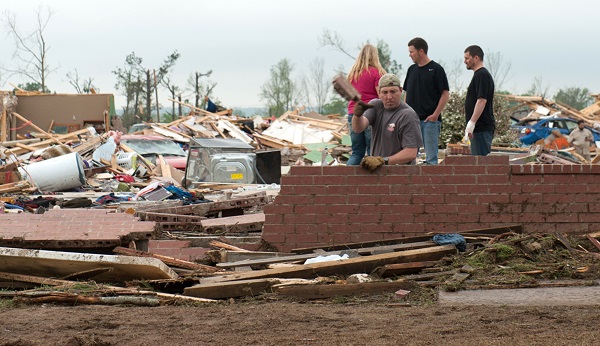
(469, 129)
(372, 162)
(360, 108)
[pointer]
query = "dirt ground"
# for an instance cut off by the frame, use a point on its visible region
(286, 322)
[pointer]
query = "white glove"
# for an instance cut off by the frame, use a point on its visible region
(469, 129)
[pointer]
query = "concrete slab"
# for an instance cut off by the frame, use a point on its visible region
(547, 296)
(56, 264)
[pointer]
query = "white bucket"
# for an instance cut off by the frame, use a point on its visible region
(56, 174)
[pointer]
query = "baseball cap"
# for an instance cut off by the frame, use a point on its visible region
(389, 79)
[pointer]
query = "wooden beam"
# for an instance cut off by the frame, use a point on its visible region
(338, 290)
(403, 268)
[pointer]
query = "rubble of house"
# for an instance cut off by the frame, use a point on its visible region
(403, 270)
(85, 207)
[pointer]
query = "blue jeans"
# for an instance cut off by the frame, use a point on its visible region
(481, 143)
(430, 131)
(361, 144)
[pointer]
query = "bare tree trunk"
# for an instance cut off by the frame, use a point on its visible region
(148, 112)
(157, 106)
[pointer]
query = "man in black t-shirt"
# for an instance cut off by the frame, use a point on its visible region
(479, 110)
(427, 92)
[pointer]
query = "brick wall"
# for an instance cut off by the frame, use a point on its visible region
(343, 204)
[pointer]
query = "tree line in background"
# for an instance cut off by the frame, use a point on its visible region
(139, 83)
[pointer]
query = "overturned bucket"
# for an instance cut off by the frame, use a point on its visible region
(56, 174)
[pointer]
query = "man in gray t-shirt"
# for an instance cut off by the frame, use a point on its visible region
(396, 134)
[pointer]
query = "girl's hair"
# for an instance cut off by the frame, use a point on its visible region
(367, 56)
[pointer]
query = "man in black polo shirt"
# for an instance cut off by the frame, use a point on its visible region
(426, 90)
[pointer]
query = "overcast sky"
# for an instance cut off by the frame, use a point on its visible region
(239, 40)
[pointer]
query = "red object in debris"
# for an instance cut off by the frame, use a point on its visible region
(124, 178)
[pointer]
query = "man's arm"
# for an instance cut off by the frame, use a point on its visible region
(440, 106)
(479, 107)
(359, 123)
(404, 156)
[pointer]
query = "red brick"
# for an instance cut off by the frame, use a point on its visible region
(277, 228)
(460, 179)
(342, 208)
(395, 199)
(428, 199)
(429, 170)
(439, 189)
(527, 179)
(588, 217)
(331, 199)
(330, 180)
(365, 218)
(310, 228)
(330, 218)
(469, 170)
(366, 237)
(343, 228)
(297, 180)
(274, 219)
(363, 199)
(306, 170)
(341, 189)
(342, 238)
(374, 189)
(460, 160)
(395, 180)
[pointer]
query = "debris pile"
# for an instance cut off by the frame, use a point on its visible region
(403, 268)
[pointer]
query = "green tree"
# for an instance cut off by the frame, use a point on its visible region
(336, 105)
(129, 85)
(279, 91)
(575, 97)
(31, 86)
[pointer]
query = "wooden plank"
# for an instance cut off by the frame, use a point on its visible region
(26, 147)
(221, 290)
(365, 264)
(403, 268)
(166, 259)
(56, 140)
(303, 257)
(486, 231)
(35, 279)
(330, 291)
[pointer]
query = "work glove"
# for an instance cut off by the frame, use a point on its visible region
(360, 108)
(469, 129)
(372, 162)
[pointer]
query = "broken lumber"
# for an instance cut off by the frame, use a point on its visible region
(364, 264)
(402, 268)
